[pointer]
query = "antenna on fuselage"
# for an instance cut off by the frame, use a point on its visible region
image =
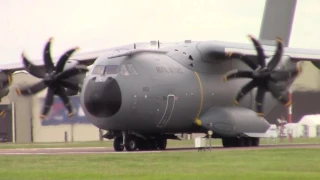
(155, 44)
(134, 46)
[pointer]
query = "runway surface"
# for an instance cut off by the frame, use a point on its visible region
(106, 150)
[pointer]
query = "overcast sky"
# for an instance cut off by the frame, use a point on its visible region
(96, 24)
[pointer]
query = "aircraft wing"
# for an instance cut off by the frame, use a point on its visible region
(86, 58)
(296, 54)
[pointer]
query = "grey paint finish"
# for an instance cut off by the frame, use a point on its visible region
(196, 89)
(277, 20)
(145, 95)
(233, 121)
(182, 83)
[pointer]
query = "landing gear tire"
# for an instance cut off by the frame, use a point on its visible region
(152, 144)
(142, 145)
(234, 142)
(131, 144)
(117, 144)
(240, 142)
(161, 144)
(248, 142)
(228, 142)
(255, 141)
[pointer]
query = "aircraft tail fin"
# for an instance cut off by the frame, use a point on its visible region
(277, 21)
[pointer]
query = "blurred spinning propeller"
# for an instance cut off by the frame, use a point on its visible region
(5, 82)
(53, 77)
(264, 76)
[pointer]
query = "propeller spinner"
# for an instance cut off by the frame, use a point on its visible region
(264, 76)
(53, 77)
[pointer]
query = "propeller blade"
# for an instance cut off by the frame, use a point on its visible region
(237, 74)
(259, 100)
(279, 93)
(31, 68)
(5, 80)
(69, 85)
(244, 58)
(48, 103)
(283, 75)
(261, 55)
(72, 72)
(31, 90)
(244, 90)
(63, 59)
(3, 113)
(277, 57)
(47, 57)
(9, 79)
(65, 99)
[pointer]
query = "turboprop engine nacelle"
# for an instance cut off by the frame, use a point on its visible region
(234, 121)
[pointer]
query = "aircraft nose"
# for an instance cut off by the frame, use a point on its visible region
(102, 99)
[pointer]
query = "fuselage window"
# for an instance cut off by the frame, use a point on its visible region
(99, 70)
(112, 69)
(131, 69)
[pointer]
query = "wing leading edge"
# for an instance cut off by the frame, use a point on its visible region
(296, 54)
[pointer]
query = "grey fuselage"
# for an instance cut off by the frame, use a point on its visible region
(169, 91)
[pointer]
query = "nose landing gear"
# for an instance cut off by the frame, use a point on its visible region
(133, 143)
(118, 144)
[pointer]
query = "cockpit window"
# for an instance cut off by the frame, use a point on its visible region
(131, 69)
(124, 70)
(98, 69)
(128, 69)
(109, 69)
(112, 69)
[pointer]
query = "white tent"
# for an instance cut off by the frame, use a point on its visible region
(272, 132)
(310, 126)
(294, 128)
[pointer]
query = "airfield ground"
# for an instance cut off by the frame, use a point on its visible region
(96, 160)
(171, 143)
(279, 163)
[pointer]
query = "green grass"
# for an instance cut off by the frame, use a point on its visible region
(282, 164)
(171, 143)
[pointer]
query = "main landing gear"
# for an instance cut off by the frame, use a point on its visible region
(241, 142)
(133, 143)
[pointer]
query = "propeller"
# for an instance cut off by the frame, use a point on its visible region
(53, 77)
(5, 82)
(263, 75)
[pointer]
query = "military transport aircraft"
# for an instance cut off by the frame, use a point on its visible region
(144, 96)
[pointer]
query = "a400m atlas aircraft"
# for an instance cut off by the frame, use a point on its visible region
(143, 97)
